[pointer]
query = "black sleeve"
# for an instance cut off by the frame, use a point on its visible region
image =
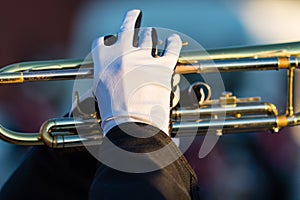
(75, 174)
(51, 174)
(174, 180)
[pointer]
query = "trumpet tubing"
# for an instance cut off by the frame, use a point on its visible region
(228, 114)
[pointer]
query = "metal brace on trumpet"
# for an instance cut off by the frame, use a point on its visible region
(223, 115)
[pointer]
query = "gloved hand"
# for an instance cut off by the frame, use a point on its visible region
(131, 85)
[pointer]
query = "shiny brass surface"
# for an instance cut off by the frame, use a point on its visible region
(261, 57)
(227, 114)
(26, 139)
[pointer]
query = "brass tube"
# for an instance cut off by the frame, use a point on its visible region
(231, 65)
(259, 51)
(60, 133)
(27, 139)
(233, 111)
(66, 137)
(235, 125)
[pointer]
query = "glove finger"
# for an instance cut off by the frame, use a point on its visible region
(172, 51)
(130, 27)
(174, 45)
(145, 40)
(98, 42)
(148, 40)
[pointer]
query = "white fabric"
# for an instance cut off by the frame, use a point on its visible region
(130, 85)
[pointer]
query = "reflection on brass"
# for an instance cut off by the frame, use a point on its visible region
(226, 114)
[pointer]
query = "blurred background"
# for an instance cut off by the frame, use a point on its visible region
(246, 166)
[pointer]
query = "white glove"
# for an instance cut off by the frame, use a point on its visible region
(131, 85)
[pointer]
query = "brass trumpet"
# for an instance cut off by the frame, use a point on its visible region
(242, 114)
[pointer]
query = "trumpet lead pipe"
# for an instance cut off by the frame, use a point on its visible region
(68, 70)
(66, 74)
(235, 65)
(259, 51)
